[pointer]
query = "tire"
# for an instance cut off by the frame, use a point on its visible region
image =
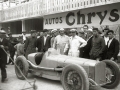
(114, 68)
(23, 65)
(74, 77)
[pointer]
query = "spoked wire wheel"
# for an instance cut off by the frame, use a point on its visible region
(73, 80)
(112, 74)
(74, 77)
(22, 67)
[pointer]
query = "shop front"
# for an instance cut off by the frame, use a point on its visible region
(101, 16)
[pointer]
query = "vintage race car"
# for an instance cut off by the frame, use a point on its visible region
(73, 72)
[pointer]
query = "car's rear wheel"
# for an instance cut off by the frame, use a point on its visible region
(74, 77)
(23, 66)
(112, 74)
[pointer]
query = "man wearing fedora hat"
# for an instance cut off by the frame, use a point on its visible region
(43, 43)
(3, 54)
(30, 43)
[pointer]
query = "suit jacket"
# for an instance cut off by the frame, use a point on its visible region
(87, 48)
(30, 45)
(12, 42)
(39, 43)
(113, 49)
(3, 55)
(47, 44)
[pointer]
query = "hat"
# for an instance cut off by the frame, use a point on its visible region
(90, 30)
(73, 30)
(62, 29)
(97, 30)
(45, 30)
(106, 29)
(110, 31)
(85, 27)
(54, 30)
(2, 32)
(33, 31)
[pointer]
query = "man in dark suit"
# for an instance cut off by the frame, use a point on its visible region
(3, 55)
(38, 42)
(12, 42)
(87, 48)
(44, 42)
(112, 46)
(30, 43)
(106, 38)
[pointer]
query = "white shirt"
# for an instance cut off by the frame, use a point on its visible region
(109, 42)
(77, 42)
(60, 43)
(1, 39)
(24, 37)
(45, 37)
(60, 40)
(106, 40)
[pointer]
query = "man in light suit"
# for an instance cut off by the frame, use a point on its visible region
(112, 46)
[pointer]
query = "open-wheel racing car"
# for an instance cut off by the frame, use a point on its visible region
(73, 72)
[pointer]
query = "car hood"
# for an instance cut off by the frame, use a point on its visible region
(64, 60)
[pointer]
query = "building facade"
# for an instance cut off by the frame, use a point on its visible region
(49, 14)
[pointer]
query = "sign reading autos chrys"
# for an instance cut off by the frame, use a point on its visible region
(91, 17)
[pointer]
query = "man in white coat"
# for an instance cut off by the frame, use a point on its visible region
(60, 41)
(75, 43)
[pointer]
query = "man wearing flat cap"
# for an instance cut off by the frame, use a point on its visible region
(54, 34)
(98, 46)
(12, 42)
(3, 54)
(75, 43)
(61, 41)
(30, 43)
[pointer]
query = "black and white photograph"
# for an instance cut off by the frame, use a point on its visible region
(59, 44)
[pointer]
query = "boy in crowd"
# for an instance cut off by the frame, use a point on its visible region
(20, 46)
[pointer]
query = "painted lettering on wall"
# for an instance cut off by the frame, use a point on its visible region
(53, 20)
(87, 18)
(78, 18)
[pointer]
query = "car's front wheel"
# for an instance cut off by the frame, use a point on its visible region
(74, 77)
(112, 74)
(22, 67)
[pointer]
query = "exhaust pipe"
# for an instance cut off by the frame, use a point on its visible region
(44, 68)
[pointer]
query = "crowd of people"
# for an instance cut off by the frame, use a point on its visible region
(86, 43)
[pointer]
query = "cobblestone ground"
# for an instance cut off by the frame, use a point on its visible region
(14, 83)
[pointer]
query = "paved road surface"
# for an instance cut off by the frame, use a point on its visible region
(43, 84)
